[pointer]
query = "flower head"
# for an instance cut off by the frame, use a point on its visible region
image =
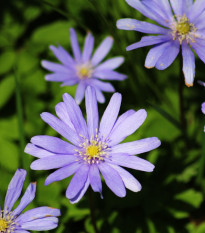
(85, 69)
(94, 148)
(182, 24)
(38, 219)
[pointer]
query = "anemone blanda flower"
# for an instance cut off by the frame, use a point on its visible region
(37, 219)
(182, 24)
(85, 69)
(95, 147)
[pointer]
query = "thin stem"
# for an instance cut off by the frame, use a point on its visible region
(181, 99)
(92, 211)
(23, 160)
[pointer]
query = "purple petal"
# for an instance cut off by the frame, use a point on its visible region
(136, 25)
(126, 125)
(137, 147)
(42, 224)
(75, 45)
(178, 7)
(112, 179)
(196, 10)
(14, 189)
(138, 5)
(111, 64)
(100, 96)
(63, 56)
(27, 198)
(131, 161)
(129, 180)
(91, 111)
(81, 192)
(62, 173)
(77, 182)
(38, 213)
(154, 54)
(75, 115)
(95, 180)
(160, 8)
(53, 144)
(168, 56)
(62, 113)
(110, 115)
(203, 107)
(60, 127)
(36, 151)
(80, 92)
(109, 75)
(188, 64)
(148, 40)
(70, 82)
(88, 47)
(21, 231)
(53, 162)
(101, 85)
(67, 57)
(55, 67)
(199, 48)
(201, 83)
(199, 22)
(62, 77)
(102, 51)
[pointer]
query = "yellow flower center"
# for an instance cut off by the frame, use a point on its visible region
(84, 71)
(183, 28)
(7, 222)
(3, 225)
(93, 150)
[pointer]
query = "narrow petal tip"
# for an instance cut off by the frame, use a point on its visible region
(149, 67)
(189, 84)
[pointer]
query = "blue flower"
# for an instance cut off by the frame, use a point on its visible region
(38, 219)
(84, 69)
(93, 147)
(182, 24)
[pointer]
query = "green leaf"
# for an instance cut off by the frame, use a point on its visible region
(9, 155)
(9, 128)
(191, 197)
(7, 86)
(57, 32)
(7, 60)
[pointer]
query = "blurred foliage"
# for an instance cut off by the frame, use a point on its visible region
(172, 198)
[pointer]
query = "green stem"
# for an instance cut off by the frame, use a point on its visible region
(92, 211)
(181, 99)
(24, 162)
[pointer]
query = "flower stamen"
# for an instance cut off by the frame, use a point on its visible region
(93, 150)
(183, 29)
(84, 71)
(7, 222)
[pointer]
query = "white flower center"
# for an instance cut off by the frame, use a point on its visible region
(183, 30)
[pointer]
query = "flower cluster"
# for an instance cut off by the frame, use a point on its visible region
(182, 24)
(94, 147)
(84, 69)
(38, 219)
